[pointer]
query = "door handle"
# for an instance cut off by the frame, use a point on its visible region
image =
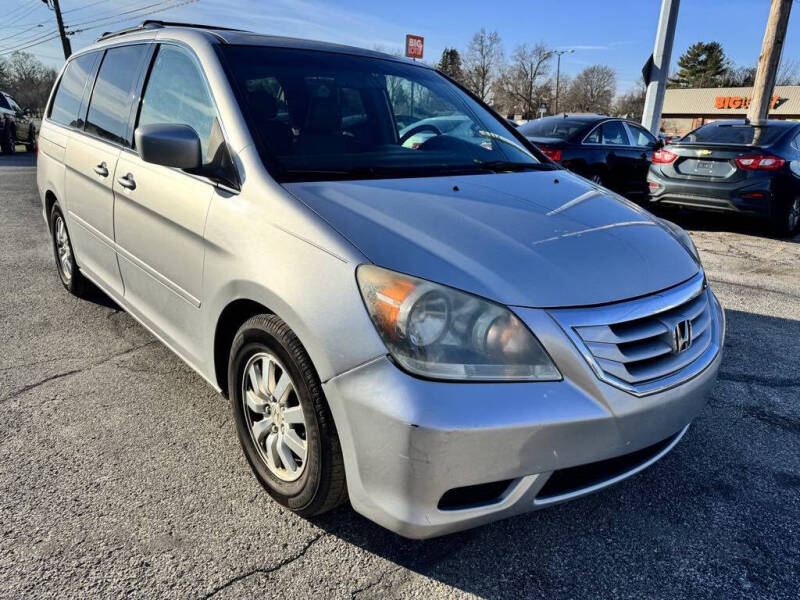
(127, 181)
(101, 169)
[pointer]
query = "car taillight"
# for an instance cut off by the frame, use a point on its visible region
(759, 162)
(664, 156)
(553, 154)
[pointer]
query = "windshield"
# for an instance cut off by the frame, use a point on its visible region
(762, 135)
(4, 102)
(553, 127)
(320, 115)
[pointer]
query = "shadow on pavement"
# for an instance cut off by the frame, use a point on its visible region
(715, 518)
(718, 221)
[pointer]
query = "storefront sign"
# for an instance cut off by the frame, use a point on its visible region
(414, 46)
(737, 102)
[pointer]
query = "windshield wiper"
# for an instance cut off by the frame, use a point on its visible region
(502, 166)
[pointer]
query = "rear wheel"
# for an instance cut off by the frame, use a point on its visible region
(30, 145)
(786, 220)
(7, 139)
(68, 272)
(282, 419)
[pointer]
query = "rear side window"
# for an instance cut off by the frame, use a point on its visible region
(4, 103)
(735, 134)
(177, 93)
(110, 106)
(67, 100)
(613, 134)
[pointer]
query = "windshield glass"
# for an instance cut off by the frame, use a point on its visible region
(320, 115)
(4, 103)
(734, 134)
(553, 127)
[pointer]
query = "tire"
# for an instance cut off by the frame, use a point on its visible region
(7, 140)
(786, 220)
(597, 179)
(71, 277)
(30, 146)
(317, 483)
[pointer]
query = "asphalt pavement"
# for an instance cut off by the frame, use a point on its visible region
(121, 475)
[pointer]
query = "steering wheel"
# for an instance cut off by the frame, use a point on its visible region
(419, 129)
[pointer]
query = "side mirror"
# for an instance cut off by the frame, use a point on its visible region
(169, 145)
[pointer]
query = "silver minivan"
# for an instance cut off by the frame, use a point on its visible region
(445, 332)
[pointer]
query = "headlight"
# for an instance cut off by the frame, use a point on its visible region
(683, 237)
(438, 332)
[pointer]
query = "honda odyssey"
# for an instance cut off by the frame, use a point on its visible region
(445, 333)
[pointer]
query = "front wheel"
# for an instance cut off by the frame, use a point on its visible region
(282, 419)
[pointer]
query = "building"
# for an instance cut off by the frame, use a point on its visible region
(686, 109)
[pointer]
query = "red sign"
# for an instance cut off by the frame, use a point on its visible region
(414, 46)
(736, 102)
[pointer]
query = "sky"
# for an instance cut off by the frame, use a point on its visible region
(618, 33)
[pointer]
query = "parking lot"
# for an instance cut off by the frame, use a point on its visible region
(121, 474)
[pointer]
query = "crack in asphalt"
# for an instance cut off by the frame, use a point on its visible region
(266, 570)
(374, 583)
(773, 382)
(754, 288)
(31, 386)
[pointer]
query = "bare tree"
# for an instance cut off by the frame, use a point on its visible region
(592, 90)
(631, 103)
(524, 82)
(482, 60)
(27, 80)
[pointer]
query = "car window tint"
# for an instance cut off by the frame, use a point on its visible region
(594, 136)
(4, 103)
(110, 106)
(553, 127)
(713, 133)
(641, 137)
(67, 100)
(177, 93)
(13, 104)
(613, 133)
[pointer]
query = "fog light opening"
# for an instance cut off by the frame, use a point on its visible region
(473, 496)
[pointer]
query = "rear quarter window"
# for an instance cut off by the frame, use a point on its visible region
(67, 100)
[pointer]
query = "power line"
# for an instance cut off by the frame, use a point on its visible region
(54, 35)
(39, 35)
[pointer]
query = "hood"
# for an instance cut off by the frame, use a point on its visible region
(536, 239)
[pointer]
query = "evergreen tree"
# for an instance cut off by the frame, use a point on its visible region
(450, 64)
(704, 64)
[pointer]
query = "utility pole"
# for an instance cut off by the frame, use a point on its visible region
(768, 61)
(657, 67)
(53, 5)
(558, 72)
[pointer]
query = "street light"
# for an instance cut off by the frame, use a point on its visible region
(558, 71)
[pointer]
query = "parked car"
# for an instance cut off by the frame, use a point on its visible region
(611, 152)
(445, 335)
(734, 166)
(16, 126)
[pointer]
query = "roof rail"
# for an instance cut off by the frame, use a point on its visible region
(156, 24)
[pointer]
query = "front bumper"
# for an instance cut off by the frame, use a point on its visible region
(407, 441)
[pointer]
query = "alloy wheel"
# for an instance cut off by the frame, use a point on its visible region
(63, 248)
(274, 416)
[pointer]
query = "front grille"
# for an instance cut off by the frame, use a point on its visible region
(632, 344)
